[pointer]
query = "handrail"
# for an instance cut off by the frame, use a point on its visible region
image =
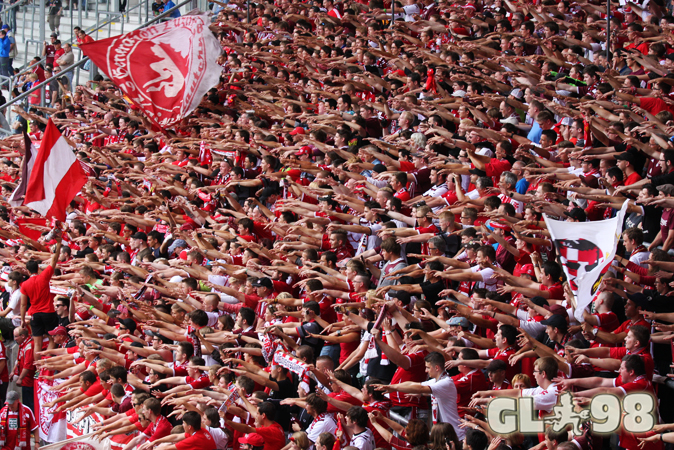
(70, 41)
(76, 65)
(15, 5)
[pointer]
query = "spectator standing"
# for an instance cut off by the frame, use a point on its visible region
(54, 15)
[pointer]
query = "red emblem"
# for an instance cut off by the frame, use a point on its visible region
(164, 69)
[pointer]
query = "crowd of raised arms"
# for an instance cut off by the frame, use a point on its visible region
(343, 246)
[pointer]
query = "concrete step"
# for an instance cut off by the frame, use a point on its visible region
(28, 24)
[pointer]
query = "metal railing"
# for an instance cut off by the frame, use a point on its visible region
(6, 109)
(113, 16)
(88, 31)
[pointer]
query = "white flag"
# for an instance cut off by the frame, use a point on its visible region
(586, 250)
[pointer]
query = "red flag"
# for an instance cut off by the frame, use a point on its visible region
(56, 177)
(430, 82)
(165, 69)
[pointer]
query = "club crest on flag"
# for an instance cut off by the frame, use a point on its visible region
(586, 260)
(164, 69)
(579, 256)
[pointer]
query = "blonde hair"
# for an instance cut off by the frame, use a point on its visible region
(523, 378)
(301, 439)
(371, 296)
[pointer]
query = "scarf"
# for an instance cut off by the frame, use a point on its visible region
(293, 364)
(193, 339)
(23, 439)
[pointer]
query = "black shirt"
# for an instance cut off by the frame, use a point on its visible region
(54, 7)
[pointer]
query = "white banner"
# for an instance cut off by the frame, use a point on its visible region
(52, 429)
(85, 442)
(586, 259)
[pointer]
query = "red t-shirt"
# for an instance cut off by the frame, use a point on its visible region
(467, 385)
(608, 321)
(274, 436)
(416, 373)
(556, 291)
(626, 325)
(633, 178)
(504, 355)
(630, 440)
(37, 290)
(200, 440)
(620, 352)
(496, 167)
(161, 428)
(200, 383)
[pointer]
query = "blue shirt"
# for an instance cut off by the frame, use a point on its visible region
(5, 45)
(535, 133)
(522, 186)
(168, 5)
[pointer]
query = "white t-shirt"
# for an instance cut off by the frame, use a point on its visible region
(443, 400)
(544, 399)
(489, 282)
(528, 324)
(15, 304)
(364, 440)
(324, 423)
(219, 436)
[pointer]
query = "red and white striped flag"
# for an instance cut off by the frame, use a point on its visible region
(55, 178)
(26, 169)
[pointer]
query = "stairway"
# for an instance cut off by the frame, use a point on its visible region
(28, 23)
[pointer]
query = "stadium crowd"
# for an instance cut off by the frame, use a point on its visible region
(344, 245)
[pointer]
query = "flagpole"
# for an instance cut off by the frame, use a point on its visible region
(608, 31)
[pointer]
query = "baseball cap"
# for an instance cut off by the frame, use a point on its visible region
(54, 35)
(577, 214)
(253, 439)
(496, 364)
(539, 301)
(175, 245)
(58, 331)
(517, 93)
(558, 310)
(555, 321)
(12, 396)
(499, 11)
(5, 27)
(139, 235)
(666, 188)
(403, 296)
(626, 156)
(590, 181)
(460, 321)
(305, 150)
(129, 324)
(640, 299)
(264, 282)
(379, 168)
(478, 172)
(527, 269)
(499, 225)
(297, 130)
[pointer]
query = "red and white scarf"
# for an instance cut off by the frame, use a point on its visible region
(293, 364)
(23, 439)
